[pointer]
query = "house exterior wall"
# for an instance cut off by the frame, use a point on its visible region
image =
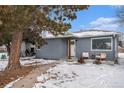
(57, 48)
(116, 43)
(84, 45)
(54, 49)
(123, 43)
(23, 48)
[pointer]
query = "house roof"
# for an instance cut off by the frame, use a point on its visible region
(84, 33)
(65, 35)
(93, 33)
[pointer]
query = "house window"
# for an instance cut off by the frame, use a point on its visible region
(102, 44)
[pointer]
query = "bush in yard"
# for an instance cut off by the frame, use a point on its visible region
(97, 61)
(116, 61)
(81, 60)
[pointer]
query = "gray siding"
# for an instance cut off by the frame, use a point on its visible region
(116, 46)
(55, 49)
(84, 45)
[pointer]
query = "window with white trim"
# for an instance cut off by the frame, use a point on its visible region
(103, 43)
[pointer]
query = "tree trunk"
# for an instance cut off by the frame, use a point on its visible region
(15, 48)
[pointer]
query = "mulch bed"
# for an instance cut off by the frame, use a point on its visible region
(11, 75)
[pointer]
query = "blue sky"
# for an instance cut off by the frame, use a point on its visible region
(97, 17)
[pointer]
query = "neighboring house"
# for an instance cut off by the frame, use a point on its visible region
(27, 49)
(3, 52)
(121, 39)
(24, 46)
(73, 44)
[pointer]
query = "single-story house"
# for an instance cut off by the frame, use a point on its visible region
(73, 44)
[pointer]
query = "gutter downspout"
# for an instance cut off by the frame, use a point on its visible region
(69, 48)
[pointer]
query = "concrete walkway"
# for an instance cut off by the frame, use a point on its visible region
(29, 80)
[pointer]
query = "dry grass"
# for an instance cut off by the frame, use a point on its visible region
(11, 75)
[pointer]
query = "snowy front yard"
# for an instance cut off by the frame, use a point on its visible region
(66, 75)
(80, 76)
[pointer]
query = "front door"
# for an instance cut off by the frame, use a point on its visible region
(72, 48)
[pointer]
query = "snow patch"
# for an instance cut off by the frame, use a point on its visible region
(121, 55)
(26, 61)
(93, 33)
(38, 61)
(3, 64)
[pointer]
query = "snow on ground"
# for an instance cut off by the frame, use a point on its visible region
(121, 58)
(84, 75)
(121, 55)
(3, 64)
(67, 75)
(26, 61)
(38, 61)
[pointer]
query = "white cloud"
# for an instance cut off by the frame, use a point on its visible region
(116, 6)
(103, 20)
(103, 23)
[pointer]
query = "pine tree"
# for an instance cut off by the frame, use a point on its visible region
(18, 22)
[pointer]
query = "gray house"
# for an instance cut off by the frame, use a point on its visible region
(72, 45)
